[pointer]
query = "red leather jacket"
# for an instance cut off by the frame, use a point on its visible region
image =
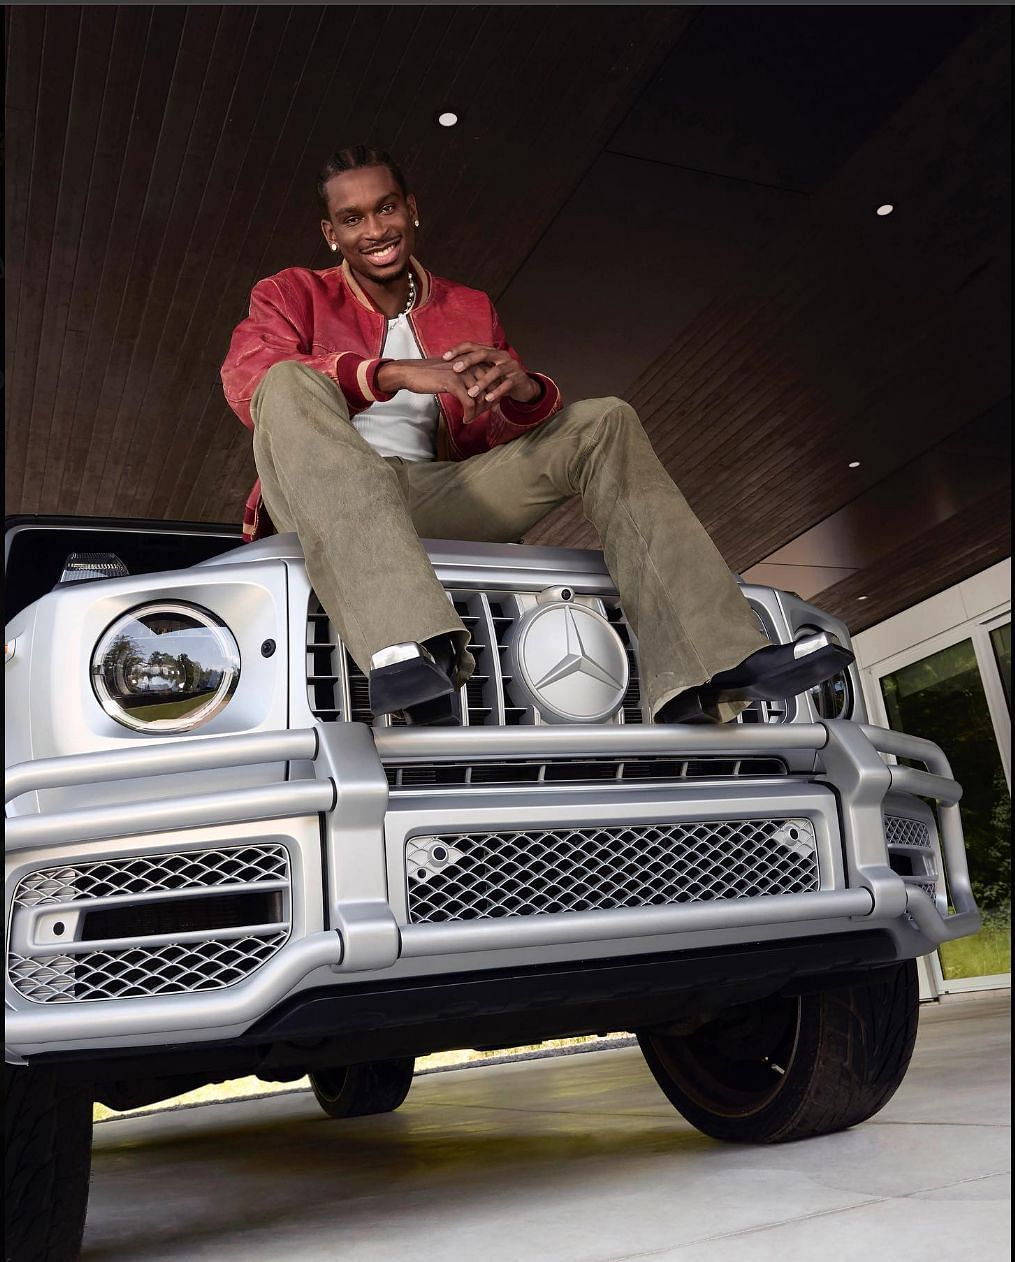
(326, 321)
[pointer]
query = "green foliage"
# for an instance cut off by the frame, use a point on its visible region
(985, 954)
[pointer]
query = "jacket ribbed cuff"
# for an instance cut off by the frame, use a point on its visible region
(357, 379)
(538, 410)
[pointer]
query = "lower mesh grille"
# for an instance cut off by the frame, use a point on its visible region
(476, 876)
(144, 925)
(153, 874)
(905, 833)
(136, 973)
(910, 852)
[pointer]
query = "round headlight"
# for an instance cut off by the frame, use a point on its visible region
(832, 698)
(165, 667)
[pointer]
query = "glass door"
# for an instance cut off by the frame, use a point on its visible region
(959, 696)
(1000, 642)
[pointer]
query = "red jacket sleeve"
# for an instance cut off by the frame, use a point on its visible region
(271, 334)
(509, 419)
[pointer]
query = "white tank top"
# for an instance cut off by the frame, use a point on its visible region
(406, 425)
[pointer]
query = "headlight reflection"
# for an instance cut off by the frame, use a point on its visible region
(165, 667)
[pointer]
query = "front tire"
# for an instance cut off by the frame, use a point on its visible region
(376, 1086)
(785, 1068)
(47, 1160)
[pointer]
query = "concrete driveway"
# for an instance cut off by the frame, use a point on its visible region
(572, 1159)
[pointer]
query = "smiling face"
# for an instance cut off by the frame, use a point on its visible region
(371, 221)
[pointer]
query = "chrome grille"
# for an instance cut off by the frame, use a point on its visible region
(480, 876)
(143, 925)
(337, 688)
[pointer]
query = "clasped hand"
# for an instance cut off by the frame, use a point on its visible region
(476, 375)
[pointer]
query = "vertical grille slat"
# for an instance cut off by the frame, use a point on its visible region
(631, 707)
(326, 686)
(483, 701)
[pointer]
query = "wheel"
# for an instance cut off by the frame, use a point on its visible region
(48, 1157)
(377, 1086)
(790, 1068)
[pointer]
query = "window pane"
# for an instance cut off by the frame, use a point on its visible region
(1000, 638)
(942, 698)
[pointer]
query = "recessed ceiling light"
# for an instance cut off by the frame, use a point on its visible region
(448, 119)
(863, 598)
(854, 464)
(886, 209)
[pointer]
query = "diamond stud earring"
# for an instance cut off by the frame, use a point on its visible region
(334, 246)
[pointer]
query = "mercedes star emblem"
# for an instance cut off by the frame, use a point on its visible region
(567, 662)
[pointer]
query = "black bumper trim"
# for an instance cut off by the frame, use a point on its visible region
(364, 1021)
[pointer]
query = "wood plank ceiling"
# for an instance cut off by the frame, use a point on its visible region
(671, 204)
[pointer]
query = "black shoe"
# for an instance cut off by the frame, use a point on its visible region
(779, 670)
(420, 686)
(687, 707)
(444, 711)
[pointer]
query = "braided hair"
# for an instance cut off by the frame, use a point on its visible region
(351, 159)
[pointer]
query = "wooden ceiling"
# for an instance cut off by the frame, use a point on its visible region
(671, 204)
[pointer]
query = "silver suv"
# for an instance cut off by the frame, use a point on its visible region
(218, 863)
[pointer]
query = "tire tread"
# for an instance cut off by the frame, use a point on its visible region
(378, 1086)
(854, 1048)
(47, 1159)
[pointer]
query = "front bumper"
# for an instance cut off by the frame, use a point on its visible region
(338, 791)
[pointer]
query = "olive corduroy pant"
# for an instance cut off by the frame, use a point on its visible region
(360, 516)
